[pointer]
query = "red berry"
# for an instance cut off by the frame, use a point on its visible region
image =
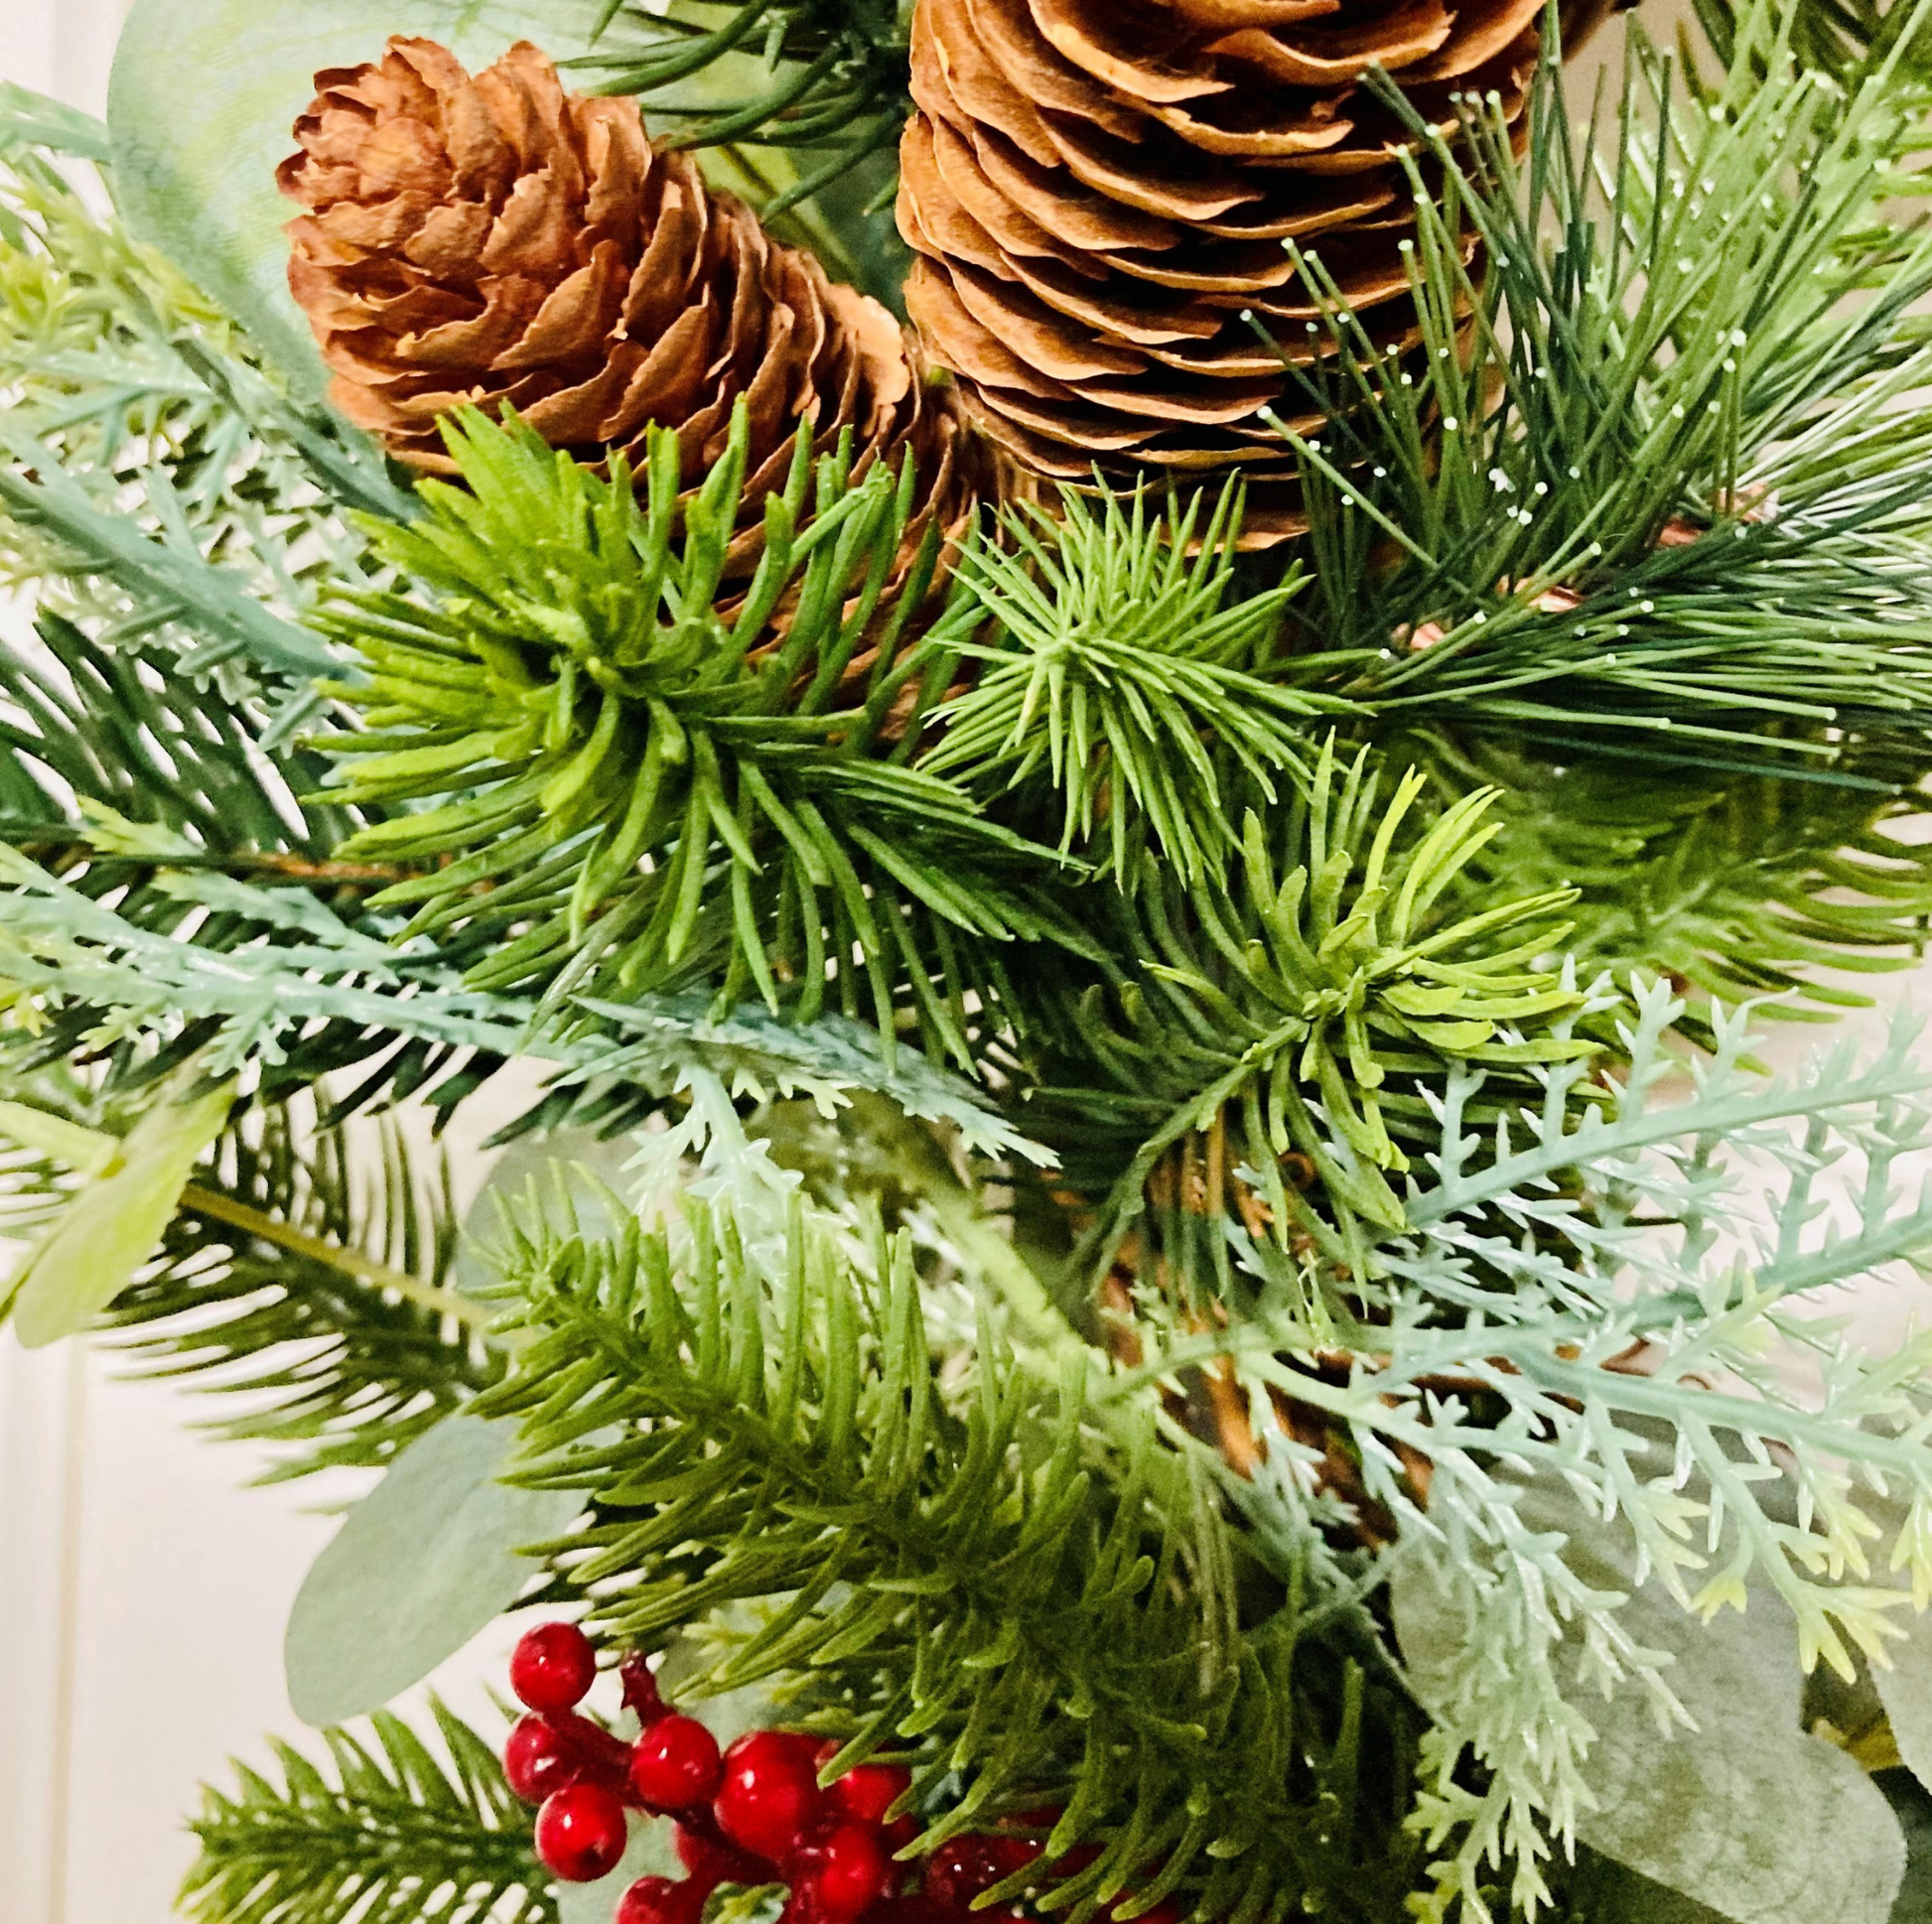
(1165, 1912)
(674, 1765)
(581, 1834)
(657, 1900)
(553, 1667)
(963, 1867)
(769, 1794)
(845, 1871)
(867, 1791)
(538, 1761)
(712, 1862)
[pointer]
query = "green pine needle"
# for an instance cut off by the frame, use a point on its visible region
(388, 1832)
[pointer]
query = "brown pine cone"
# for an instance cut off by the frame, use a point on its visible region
(1098, 188)
(495, 240)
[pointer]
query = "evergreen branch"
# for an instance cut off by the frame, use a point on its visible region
(171, 580)
(332, 996)
(758, 1419)
(151, 476)
(1113, 676)
(388, 1833)
(836, 73)
(1585, 1296)
(1304, 1004)
(1677, 485)
(1730, 885)
(328, 1315)
(662, 787)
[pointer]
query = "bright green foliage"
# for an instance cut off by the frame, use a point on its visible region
(956, 1568)
(388, 1833)
(1310, 995)
(1117, 684)
(1732, 885)
(651, 782)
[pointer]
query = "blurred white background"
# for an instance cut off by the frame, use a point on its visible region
(142, 1588)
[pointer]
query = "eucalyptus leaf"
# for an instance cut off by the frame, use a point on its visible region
(1905, 1685)
(112, 1225)
(1732, 1813)
(200, 184)
(423, 1564)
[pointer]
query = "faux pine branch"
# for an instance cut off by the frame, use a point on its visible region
(393, 1826)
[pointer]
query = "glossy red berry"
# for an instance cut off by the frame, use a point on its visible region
(769, 1794)
(964, 1867)
(553, 1667)
(867, 1791)
(658, 1900)
(581, 1834)
(847, 1870)
(538, 1761)
(675, 1765)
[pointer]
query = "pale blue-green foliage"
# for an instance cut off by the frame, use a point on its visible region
(60, 947)
(152, 478)
(1628, 1297)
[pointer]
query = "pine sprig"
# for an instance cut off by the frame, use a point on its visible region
(151, 477)
(1119, 686)
(1304, 1002)
(1732, 885)
(1674, 493)
(645, 782)
(315, 1291)
(829, 79)
(387, 1832)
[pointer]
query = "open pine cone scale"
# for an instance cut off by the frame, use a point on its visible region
(1102, 194)
(496, 242)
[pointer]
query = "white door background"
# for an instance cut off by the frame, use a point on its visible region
(142, 1588)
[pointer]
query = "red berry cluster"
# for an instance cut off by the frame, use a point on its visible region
(753, 1814)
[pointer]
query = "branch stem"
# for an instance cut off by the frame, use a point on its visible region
(379, 1275)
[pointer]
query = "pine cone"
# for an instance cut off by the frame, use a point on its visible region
(1097, 189)
(496, 239)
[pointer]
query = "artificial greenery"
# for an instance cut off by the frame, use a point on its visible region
(1187, 1230)
(388, 1830)
(833, 89)
(662, 782)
